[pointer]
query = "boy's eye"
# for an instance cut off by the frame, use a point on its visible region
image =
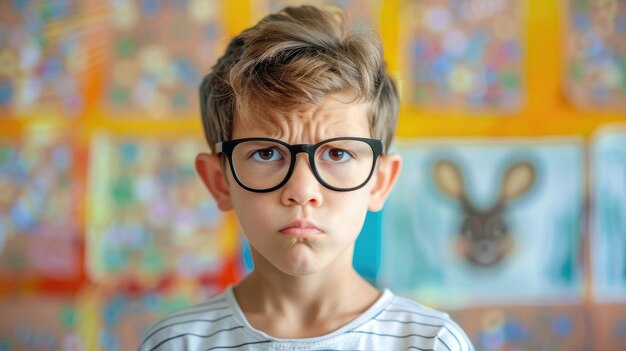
(336, 155)
(266, 155)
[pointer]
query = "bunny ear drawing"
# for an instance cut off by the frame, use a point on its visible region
(518, 180)
(484, 235)
(449, 179)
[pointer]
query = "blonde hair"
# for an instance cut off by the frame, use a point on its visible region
(294, 58)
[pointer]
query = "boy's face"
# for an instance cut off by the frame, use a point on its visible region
(303, 227)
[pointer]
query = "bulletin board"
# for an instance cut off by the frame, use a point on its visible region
(102, 216)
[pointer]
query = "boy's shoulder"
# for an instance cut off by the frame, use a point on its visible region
(202, 320)
(404, 315)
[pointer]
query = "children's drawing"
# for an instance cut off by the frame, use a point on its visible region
(529, 327)
(463, 56)
(608, 236)
(474, 222)
(160, 50)
(484, 236)
(43, 323)
(45, 50)
(151, 218)
(41, 185)
(121, 320)
(595, 53)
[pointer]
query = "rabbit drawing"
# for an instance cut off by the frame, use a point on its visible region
(484, 238)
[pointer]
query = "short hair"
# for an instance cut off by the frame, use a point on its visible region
(293, 58)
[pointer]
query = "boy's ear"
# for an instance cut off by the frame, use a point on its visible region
(209, 168)
(386, 175)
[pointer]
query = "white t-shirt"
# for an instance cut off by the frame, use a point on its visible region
(391, 323)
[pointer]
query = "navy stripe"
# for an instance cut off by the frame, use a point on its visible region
(426, 324)
(462, 333)
(394, 336)
(446, 345)
(459, 330)
(235, 346)
(187, 321)
(404, 336)
(193, 334)
(417, 348)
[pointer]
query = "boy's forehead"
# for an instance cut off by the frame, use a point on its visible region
(328, 116)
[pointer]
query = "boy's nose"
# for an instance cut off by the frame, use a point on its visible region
(302, 188)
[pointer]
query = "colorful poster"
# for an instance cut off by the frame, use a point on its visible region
(151, 218)
(112, 320)
(463, 56)
(159, 53)
(479, 222)
(44, 54)
(608, 235)
(595, 53)
(537, 328)
(40, 323)
(41, 186)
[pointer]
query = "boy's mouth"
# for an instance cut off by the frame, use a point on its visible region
(300, 229)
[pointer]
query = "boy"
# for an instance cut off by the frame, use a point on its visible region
(298, 113)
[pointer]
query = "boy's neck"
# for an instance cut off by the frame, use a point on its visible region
(305, 306)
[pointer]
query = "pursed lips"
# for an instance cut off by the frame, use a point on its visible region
(301, 229)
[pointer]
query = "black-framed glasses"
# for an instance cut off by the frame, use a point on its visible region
(264, 164)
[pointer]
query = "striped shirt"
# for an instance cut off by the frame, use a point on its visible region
(392, 323)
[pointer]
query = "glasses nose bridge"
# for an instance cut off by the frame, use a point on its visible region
(308, 149)
(302, 148)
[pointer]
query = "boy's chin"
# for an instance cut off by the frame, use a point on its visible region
(302, 263)
(301, 259)
(301, 267)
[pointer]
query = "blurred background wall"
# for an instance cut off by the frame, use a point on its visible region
(510, 212)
